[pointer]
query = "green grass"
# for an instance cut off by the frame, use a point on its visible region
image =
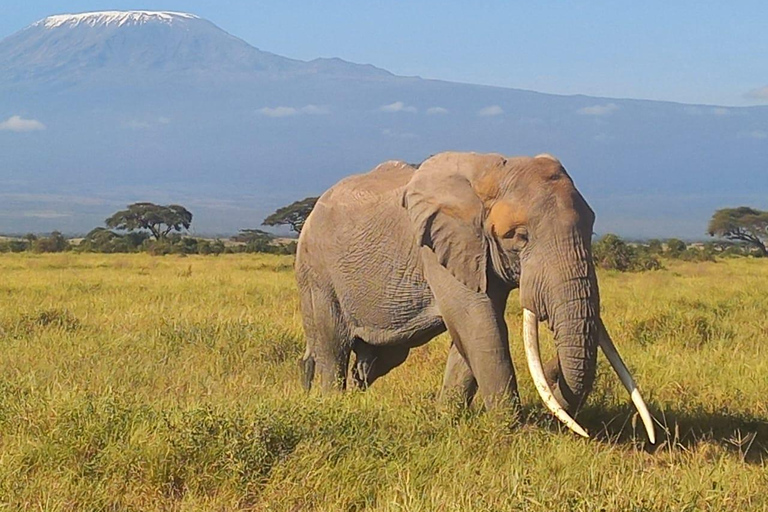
(129, 382)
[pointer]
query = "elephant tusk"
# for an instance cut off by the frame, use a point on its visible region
(532, 354)
(609, 349)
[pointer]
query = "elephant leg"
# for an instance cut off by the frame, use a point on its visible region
(552, 372)
(476, 324)
(490, 363)
(372, 362)
(480, 337)
(328, 346)
(458, 380)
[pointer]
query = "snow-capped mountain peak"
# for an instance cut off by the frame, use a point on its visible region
(113, 18)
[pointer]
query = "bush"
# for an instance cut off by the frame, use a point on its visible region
(106, 241)
(655, 246)
(612, 253)
(53, 243)
(675, 248)
(177, 244)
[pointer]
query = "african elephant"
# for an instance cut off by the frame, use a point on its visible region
(390, 259)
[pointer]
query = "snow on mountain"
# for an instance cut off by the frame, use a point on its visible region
(117, 46)
(118, 18)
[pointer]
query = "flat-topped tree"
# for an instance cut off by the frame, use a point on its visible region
(743, 223)
(294, 215)
(157, 219)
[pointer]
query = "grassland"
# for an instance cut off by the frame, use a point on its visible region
(130, 382)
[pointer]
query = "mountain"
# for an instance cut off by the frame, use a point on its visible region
(101, 109)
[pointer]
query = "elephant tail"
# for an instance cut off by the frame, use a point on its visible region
(307, 366)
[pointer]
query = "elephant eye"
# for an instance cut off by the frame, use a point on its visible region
(518, 233)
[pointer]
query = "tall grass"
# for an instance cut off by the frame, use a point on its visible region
(129, 382)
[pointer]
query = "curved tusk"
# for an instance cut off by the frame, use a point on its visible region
(609, 349)
(532, 354)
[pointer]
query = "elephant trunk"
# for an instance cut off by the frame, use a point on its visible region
(576, 338)
(572, 308)
(572, 301)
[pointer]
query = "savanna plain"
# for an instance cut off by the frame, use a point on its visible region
(132, 382)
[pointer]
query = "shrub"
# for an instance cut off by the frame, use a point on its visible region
(106, 241)
(612, 253)
(675, 248)
(53, 243)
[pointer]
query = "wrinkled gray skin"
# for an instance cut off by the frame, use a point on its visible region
(390, 259)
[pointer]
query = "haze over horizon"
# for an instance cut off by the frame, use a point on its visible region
(97, 116)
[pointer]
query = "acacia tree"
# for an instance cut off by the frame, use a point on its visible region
(159, 220)
(255, 240)
(294, 215)
(743, 223)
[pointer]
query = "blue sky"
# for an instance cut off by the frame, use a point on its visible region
(692, 52)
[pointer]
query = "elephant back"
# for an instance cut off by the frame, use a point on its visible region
(370, 186)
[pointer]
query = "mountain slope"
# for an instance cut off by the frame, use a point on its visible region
(168, 107)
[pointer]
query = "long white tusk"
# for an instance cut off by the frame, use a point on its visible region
(609, 349)
(532, 354)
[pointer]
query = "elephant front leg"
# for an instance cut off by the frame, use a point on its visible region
(476, 324)
(480, 339)
(490, 363)
(458, 382)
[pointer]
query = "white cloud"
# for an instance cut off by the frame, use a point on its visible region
(599, 110)
(293, 111)
(437, 110)
(397, 106)
(46, 214)
(19, 124)
(146, 123)
(492, 110)
(278, 111)
(138, 125)
(315, 110)
(756, 134)
(398, 135)
(758, 94)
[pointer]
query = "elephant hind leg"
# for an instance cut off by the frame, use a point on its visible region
(372, 361)
(328, 344)
(307, 368)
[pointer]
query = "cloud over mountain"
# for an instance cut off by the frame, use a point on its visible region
(397, 106)
(490, 111)
(760, 93)
(19, 124)
(599, 110)
(294, 111)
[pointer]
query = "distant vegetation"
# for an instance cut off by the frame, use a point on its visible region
(744, 224)
(293, 215)
(157, 230)
(612, 253)
(158, 220)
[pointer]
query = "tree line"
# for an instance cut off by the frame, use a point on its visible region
(157, 229)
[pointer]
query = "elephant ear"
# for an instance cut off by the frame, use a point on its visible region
(447, 217)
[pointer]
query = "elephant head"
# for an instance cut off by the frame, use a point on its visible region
(497, 222)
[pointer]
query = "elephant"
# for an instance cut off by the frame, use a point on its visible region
(389, 259)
